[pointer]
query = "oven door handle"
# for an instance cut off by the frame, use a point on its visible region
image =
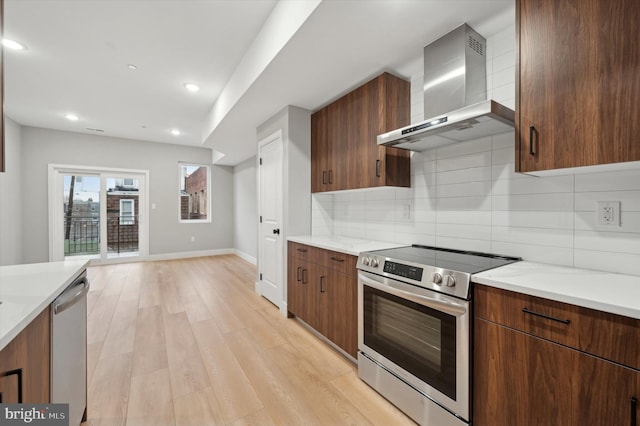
(449, 307)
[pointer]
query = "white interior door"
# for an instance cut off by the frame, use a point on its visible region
(270, 260)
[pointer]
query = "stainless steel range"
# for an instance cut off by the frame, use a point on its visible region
(414, 328)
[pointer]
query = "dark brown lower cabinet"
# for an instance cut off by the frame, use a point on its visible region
(24, 363)
(322, 292)
(520, 379)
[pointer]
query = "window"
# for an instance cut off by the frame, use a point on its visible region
(195, 182)
(128, 182)
(127, 212)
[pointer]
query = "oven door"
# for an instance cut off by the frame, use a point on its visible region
(420, 336)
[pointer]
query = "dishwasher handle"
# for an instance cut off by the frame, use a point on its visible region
(79, 290)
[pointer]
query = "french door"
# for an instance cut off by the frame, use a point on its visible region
(97, 213)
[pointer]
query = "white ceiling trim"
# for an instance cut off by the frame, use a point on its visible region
(284, 21)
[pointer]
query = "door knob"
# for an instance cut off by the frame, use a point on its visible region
(276, 231)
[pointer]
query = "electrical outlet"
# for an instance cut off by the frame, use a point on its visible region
(193, 239)
(609, 213)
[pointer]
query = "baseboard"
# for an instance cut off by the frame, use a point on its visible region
(245, 256)
(188, 254)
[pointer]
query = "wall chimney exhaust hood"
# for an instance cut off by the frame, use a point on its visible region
(456, 107)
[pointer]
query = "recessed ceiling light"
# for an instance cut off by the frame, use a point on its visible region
(132, 67)
(192, 87)
(175, 132)
(12, 44)
(71, 117)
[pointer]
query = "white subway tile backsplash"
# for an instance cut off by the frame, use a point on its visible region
(472, 232)
(505, 94)
(587, 221)
(468, 196)
(503, 156)
(506, 76)
(466, 243)
(533, 236)
(622, 263)
(629, 200)
(608, 181)
(464, 148)
(505, 171)
(466, 189)
(477, 159)
(464, 203)
(472, 174)
(533, 202)
(551, 220)
(472, 217)
(615, 242)
(504, 140)
(534, 185)
(504, 61)
(553, 255)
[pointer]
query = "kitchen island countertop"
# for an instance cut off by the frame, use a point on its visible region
(347, 245)
(599, 290)
(26, 290)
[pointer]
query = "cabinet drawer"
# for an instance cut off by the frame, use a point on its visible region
(610, 336)
(303, 252)
(340, 262)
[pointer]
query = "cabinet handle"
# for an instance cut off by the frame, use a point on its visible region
(17, 372)
(634, 411)
(304, 279)
(527, 311)
(330, 177)
(324, 177)
(299, 274)
(377, 168)
(302, 250)
(337, 259)
(322, 284)
(532, 131)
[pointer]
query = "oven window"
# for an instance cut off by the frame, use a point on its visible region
(419, 339)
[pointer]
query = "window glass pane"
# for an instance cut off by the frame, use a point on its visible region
(194, 187)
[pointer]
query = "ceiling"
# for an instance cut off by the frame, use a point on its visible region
(251, 58)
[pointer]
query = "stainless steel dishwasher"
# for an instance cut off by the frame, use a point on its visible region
(69, 349)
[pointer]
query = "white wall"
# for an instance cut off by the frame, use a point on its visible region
(467, 196)
(11, 192)
(41, 147)
(245, 207)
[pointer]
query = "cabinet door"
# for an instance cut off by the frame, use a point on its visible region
(301, 291)
(29, 352)
(344, 293)
(524, 380)
(338, 146)
(578, 83)
(381, 105)
(320, 147)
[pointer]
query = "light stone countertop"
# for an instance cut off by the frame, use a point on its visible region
(347, 245)
(603, 291)
(26, 290)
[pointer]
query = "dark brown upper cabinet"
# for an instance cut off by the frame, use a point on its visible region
(577, 83)
(344, 152)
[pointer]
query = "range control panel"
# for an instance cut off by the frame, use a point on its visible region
(402, 270)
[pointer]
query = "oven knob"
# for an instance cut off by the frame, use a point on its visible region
(365, 261)
(450, 281)
(374, 262)
(436, 278)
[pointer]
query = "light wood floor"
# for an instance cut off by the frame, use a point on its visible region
(188, 342)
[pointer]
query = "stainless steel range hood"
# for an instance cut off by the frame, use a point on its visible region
(456, 108)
